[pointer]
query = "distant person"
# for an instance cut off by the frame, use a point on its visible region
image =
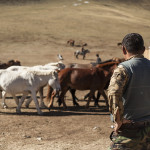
(82, 49)
(98, 60)
(129, 97)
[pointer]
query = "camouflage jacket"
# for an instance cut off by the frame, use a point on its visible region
(118, 81)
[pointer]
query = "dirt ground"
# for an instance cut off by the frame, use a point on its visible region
(35, 34)
(59, 129)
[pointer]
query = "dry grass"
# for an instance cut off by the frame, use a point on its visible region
(100, 21)
(39, 26)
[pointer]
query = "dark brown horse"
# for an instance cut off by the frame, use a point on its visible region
(76, 78)
(88, 66)
(70, 42)
(9, 63)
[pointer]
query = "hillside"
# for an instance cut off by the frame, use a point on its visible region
(100, 23)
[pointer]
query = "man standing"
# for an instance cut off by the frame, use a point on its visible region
(129, 97)
(98, 60)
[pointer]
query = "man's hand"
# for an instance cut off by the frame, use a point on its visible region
(118, 121)
(117, 126)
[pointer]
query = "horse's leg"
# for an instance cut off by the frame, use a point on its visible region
(3, 99)
(50, 96)
(28, 102)
(33, 93)
(90, 96)
(59, 101)
(86, 96)
(83, 56)
(42, 105)
(50, 105)
(106, 99)
(21, 102)
(97, 99)
(49, 92)
(16, 99)
(72, 91)
(77, 56)
(62, 95)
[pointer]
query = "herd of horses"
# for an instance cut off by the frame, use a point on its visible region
(4, 65)
(82, 77)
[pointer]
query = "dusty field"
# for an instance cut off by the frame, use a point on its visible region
(35, 33)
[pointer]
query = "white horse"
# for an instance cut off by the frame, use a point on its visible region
(83, 53)
(49, 66)
(25, 82)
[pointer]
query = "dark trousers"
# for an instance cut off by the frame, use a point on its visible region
(131, 138)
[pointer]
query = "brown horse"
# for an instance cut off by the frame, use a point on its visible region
(9, 63)
(88, 66)
(76, 65)
(70, 42)
(76, 78)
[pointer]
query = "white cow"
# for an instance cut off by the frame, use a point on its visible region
(26, 81)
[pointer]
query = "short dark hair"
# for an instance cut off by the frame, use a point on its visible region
(133, 42)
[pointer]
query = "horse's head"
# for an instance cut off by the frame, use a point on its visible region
(109, 66)
(13, 63)
(54, 81)
(87, 51)
(3, 66)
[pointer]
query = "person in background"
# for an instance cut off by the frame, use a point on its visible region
(129, 97)
(98, 60)
(82, 49)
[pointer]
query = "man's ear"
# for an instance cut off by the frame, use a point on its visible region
(124, 50)
(143, 50)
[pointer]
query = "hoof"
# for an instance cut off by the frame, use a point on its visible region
(96, 105)
(43, 106)
(27, 106)
(87, 106)
(18, 111)
(64, 107)
(40, 113)
(50, 106)
(76, 105)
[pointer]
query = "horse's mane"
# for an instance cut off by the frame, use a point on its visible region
(43, 72)
(108, 64)
(114, 59)
(52, 64)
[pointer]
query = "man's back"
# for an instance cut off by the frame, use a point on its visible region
(136, 95)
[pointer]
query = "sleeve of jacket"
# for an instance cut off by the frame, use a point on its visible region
(118, 81)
